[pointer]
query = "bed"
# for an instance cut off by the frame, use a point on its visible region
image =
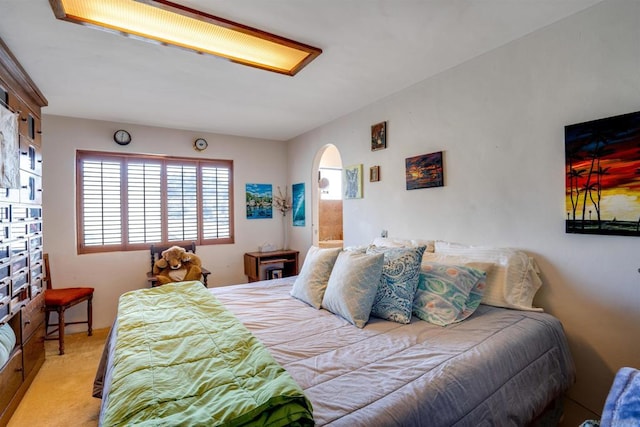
(500, 366)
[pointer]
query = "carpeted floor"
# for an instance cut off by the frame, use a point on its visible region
(60, 395)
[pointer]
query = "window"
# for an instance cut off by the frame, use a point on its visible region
(330, 184)
(127, 202)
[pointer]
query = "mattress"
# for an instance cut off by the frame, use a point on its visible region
(498, 367)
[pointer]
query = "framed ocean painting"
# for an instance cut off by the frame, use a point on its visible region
(298, 205)
(602, 181)
(259, 201)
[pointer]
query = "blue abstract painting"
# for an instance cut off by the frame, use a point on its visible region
(298, 205)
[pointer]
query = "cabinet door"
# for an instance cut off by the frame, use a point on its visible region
(32, 317)
(30, 188)
(10, 379)
(30, 156)
(33, 350)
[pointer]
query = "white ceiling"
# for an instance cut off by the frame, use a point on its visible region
(371, 49)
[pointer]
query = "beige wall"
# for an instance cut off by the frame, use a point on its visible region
(500, 121)
(255, 161)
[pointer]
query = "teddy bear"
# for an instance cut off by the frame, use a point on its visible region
(176, 265)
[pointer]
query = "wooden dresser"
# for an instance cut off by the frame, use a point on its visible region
(21, 250)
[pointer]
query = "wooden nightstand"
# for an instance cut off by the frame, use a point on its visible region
(254, 260)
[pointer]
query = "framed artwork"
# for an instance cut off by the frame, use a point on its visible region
(424, 171)
(298, 208)
(374, 174)
(379, 136)
(602, 181)
(259, 201)
(352, 182)
(9, 152)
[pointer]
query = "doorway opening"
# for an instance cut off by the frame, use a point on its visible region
(327, 198)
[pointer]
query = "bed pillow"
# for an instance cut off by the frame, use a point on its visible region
(398, 282)
(7, 343)
(512, 283)
(443, 291)
(314, 275)
(4, 356)
(7, 337)
(353, 285)
(392, 242)
(476, 293)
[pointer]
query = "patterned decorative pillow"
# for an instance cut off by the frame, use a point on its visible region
(477, 292)
(398, 283)
(443, 291)
(7, 342)
(7, 337)
(353, 285)
(314, 275)
(4, 356)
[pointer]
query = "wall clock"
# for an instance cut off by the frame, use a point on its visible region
(200, 144)
(122, 137)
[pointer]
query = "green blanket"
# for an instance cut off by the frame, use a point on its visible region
(182, 359)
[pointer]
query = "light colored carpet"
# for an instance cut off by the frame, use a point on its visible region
(60, 395)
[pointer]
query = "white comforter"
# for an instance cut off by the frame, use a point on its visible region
(499, 367)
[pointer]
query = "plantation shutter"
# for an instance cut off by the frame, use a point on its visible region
(144, 197)
(216, 216)
(101, 203)
(129, 201)
(182, 203)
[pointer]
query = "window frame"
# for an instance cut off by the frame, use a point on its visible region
(124, 159)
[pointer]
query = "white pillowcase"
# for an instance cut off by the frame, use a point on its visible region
(353, 286)
(512, 283)
(393, 242)
(312, 281)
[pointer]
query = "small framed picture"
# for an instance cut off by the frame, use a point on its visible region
(374, 174)
(352, 182)
(379, 136)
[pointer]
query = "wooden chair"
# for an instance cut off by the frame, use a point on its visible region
(59, 300)
(156, 253)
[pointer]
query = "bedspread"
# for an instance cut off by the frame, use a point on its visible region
(181, 358)
(499, 367)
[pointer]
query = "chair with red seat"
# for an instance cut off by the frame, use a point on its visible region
(58, 300)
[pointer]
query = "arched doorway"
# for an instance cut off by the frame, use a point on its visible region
(327, 197)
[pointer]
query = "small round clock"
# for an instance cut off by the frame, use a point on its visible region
(200, 144)
(122, 137)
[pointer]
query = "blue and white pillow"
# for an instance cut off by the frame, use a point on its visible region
(7, 343)
(398, 283)
(353, 285)
(477, 292)
(443, 291)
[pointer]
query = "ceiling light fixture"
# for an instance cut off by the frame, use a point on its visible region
(164, 22)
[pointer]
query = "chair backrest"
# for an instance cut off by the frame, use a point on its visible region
(47, 272)
(156, 251)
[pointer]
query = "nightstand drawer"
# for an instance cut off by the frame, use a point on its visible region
(32, 316)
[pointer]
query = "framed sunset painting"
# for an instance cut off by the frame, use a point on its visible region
(424, 171)
(602, 182)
